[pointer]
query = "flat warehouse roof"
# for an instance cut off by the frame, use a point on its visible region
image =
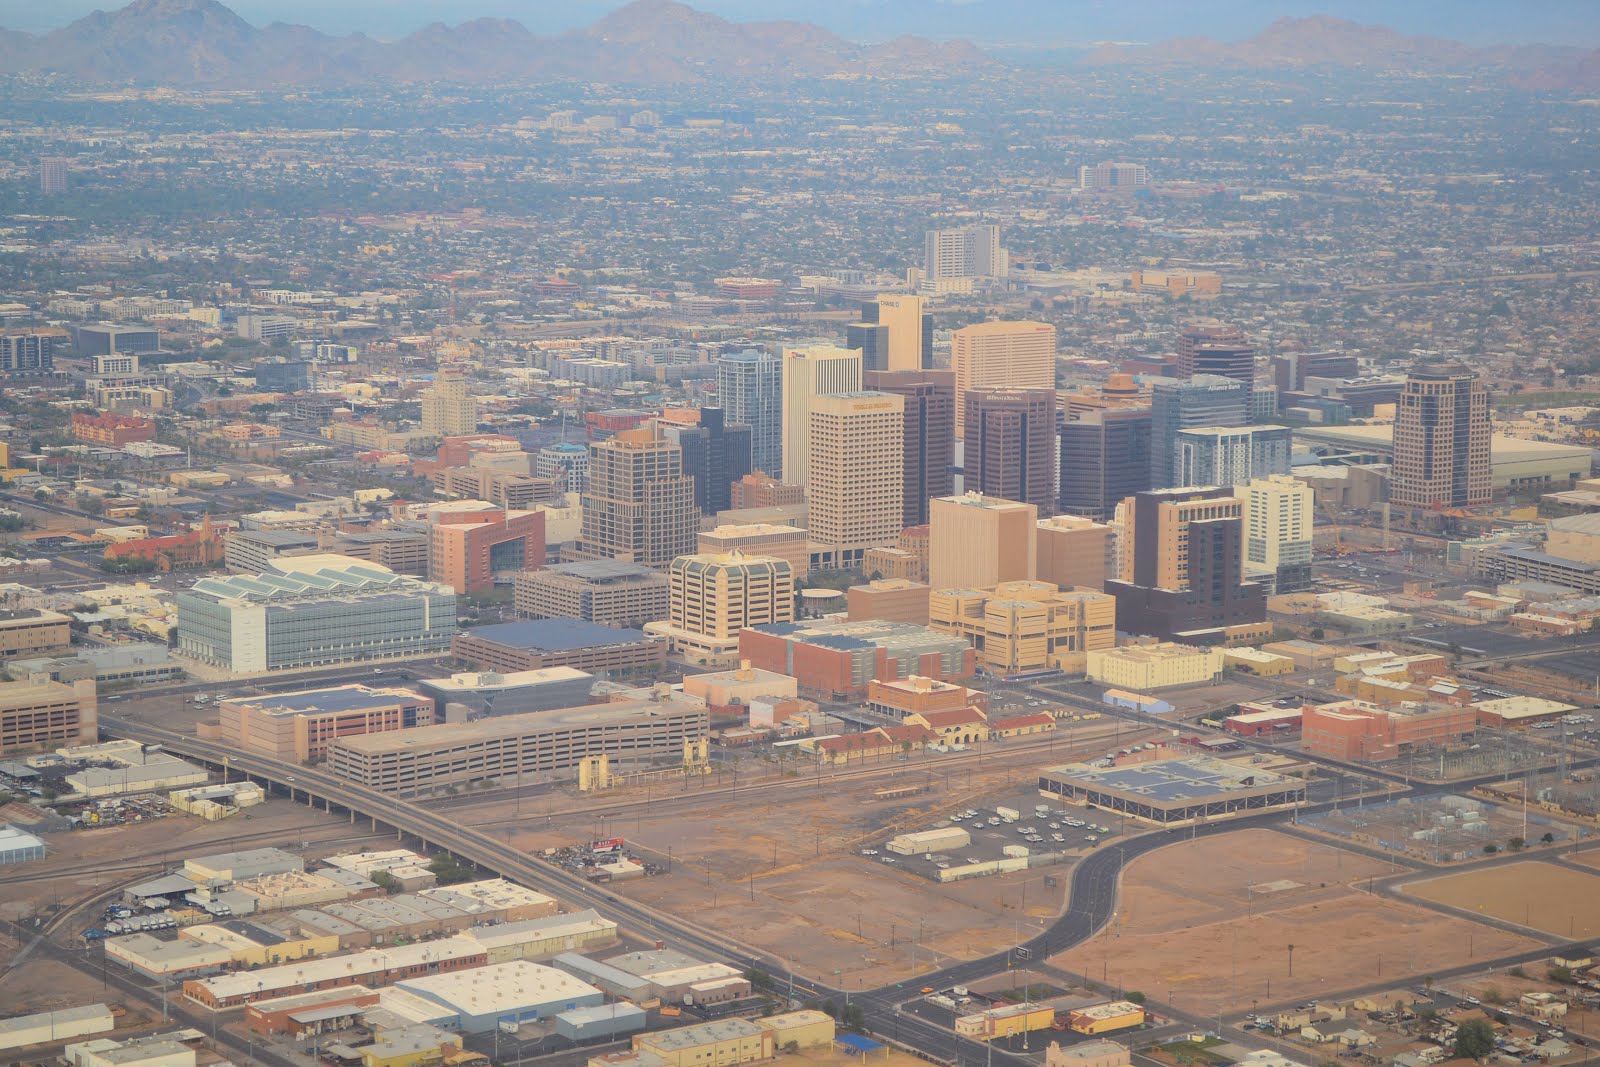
(555, 635)
(1168, 782)
(339, 698)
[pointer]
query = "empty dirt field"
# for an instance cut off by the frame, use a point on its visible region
(797, 852)
(1207, 925)
(1556, 900)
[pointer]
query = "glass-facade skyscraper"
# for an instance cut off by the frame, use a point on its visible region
(750, 391)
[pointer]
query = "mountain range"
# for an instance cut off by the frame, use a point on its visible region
(205, 44)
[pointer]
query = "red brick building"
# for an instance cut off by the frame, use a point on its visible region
(113, 430)
(838, 660)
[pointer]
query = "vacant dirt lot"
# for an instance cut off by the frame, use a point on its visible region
(795, 848)
(1557, 900)
(1192, 931)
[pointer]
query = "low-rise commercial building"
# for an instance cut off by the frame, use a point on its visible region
(304, 1015)
(375, 967)
(1106, 1018)
(300, 726)
(1357, 730)
(535, 644)
(742, 685)
(32, 631)
(479, 1000)
(478, 694)
(45, 1026)
(47, 715)
(1025, 627)
(151, 1051)
(1005, 1021)
(1174, 790)
(1520, 711)
(1154, 666)
(504, 748)
(724, 1043)
(838, 658)
(603, 592)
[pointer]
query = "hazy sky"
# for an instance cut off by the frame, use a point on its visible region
(997, 21)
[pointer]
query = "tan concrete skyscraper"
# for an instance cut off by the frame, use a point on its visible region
(1011, 355)
(817, 370)
(854, 493)
(977, 541)
(904, 315)
(448, 409)
(1441, 440)
(639, 506)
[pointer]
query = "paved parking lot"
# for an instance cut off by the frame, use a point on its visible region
(1014, 820)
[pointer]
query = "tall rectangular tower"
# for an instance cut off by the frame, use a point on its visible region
(853, 493)
(1212, 347)
(1183, 567)
(1008, 355)
(817, 370)
(448, 409)
(930, 434)
(1442, 432)
(1105, 458)
(1175, 405)
(1011, 445)
(750, 390)
(639, 507)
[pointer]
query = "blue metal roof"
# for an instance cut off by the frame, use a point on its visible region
(555, 635)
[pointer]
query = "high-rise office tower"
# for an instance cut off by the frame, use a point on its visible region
(817, 370)
(853, 491)
(448, 409)
(1211, 347)
(1007, 355)
(639, 507)
(1204, 400)
(1442, 431)
(52, 176)
(1182, 565)
(963, 252)
(977, 541)
(1105, 458)
(716, 454)
(930, 434)
(894, 334)
(1230, 455)
(750, 390)
(1011, 445)
(1277, 532)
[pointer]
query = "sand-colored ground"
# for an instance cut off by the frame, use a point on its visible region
(801, 848)
(1190, 929)
(1544, 896)
(1587, 858)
